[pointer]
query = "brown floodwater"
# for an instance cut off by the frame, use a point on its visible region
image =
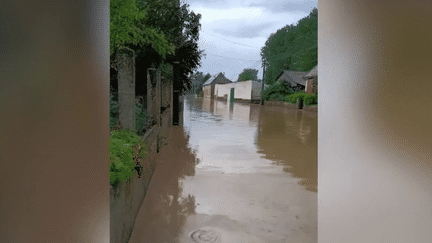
(234, 173)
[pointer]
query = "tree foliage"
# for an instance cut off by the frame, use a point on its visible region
(207, 77)
(127, 28)
(293, 47)
(248, 74)
(169, 20)
(181, 26)
(198, 79)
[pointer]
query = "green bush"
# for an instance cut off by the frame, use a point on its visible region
(293, 98)
(277, 97)
(308, 99)
(277, 91)
(122, 166)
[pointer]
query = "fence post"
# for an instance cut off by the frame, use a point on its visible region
(158, 97)
(176, 95)
(126, 87)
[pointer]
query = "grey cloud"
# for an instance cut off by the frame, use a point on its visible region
(286, 6)
(274, 6)
(244, 31)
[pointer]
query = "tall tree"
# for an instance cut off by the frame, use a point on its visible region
(181, 26)
(175, 22)
(126, 29)
(293, 47)
(248, 74)
(198, 79)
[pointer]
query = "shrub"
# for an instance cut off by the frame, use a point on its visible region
(310, 99)
(277, 90)
(277, 97)
(293, 98)
(122, 166)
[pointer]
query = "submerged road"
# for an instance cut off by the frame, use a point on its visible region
(234, 173)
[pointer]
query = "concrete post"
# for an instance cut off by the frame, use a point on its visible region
(262, 86)
(151, 86)
(126, 87)
(158, 97)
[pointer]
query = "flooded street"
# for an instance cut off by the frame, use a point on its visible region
(234, 173)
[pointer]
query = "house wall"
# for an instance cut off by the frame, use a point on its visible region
(314, 83)
(223, 90)
(256, 90)
(207, 91)
(243, 90)
(309, 86)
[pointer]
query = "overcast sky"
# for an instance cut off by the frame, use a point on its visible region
(246, 22)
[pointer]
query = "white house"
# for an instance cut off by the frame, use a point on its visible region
(249, 91)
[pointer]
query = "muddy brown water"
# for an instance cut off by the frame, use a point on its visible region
(234, 173)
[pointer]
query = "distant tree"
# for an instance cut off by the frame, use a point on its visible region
(198, 79)
(248, 74)
(206, 77)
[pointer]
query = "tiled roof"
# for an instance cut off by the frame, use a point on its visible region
(293, 77)
(210, 80)
(216, 76)
(313, 72)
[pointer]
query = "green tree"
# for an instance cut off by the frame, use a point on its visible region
(293, 47)
(181, 26)
(126, 29)
(176, 23)
(248, 74)
(207, 77)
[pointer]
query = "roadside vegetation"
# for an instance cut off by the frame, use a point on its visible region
(280, 91)
(161, 33)
(126, 147)
(295, 48)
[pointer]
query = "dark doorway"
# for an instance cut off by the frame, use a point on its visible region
(232, 95)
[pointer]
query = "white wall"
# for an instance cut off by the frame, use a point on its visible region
(245, 90)
(223, 89)
(256, 90)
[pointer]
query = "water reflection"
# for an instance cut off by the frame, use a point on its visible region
(238, 133)
(289, 137)
(165, 208)
(238, 162)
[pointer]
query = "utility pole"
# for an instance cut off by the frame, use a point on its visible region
(176, 95)
(262, 88)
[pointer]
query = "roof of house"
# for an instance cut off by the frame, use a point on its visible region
(220, 78)
(312, 73)
(293, 77)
